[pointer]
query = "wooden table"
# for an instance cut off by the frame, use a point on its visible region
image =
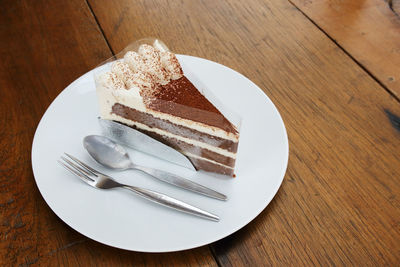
(332, 68)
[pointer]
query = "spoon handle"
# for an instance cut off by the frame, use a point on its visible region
(180, 182)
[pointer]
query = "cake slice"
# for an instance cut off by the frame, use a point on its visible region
(148, 91)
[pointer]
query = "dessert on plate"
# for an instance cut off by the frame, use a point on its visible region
(148, 91)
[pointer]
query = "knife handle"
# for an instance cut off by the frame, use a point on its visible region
(180, 182)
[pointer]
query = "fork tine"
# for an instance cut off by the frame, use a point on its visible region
(78, 168)
(85, 166)
(84, 177)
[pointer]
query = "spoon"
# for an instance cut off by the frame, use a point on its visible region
(114, 156)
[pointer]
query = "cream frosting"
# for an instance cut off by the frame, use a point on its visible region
(134, 61)
(155, 66)
(111, 81)
(152, 64)
(171, 64)
(206, 159)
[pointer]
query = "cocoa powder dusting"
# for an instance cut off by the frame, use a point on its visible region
(181, 98)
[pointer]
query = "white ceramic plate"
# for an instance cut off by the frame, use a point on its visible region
(121, 219)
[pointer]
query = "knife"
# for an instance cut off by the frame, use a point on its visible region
(132, 138)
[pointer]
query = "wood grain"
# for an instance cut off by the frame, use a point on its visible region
(367, 29)
(339, 202)
(395, 6)
(44, 46)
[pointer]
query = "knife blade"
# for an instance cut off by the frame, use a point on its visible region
(139, 141)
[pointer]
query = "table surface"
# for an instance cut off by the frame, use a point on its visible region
(332, 68)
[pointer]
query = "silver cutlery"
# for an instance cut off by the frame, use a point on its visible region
(114, 156)
(139, 141)
(102, 181)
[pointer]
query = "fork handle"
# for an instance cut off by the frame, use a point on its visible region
(171, 202)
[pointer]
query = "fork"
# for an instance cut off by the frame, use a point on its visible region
(103, 181)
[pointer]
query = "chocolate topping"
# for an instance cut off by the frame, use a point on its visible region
(182, 99)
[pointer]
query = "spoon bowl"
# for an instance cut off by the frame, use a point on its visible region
(107, 153)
